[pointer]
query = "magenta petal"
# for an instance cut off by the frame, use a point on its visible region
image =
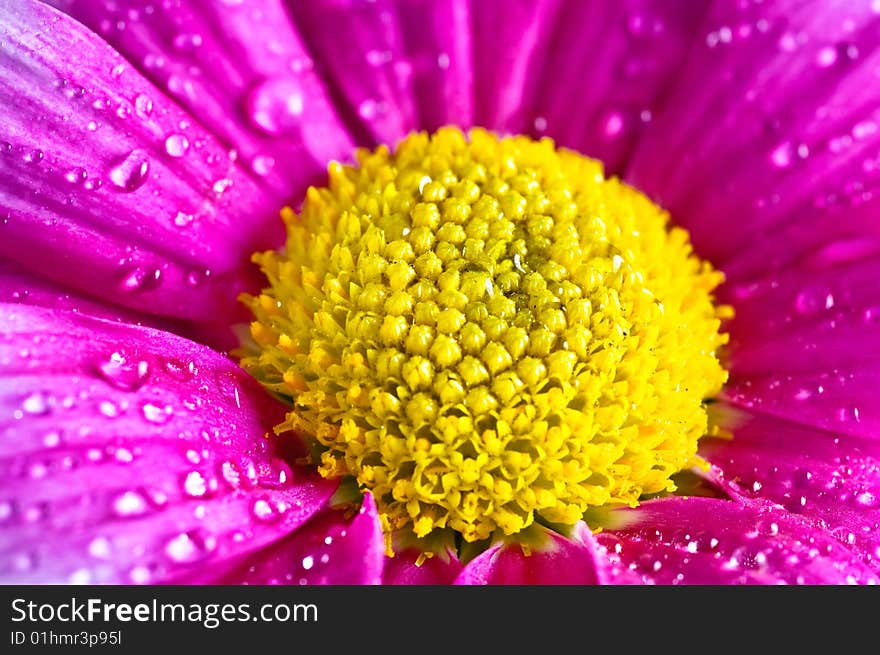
(612, 64)
(132, 455)
(21, 286)
(329, 550)
(108, 187)
(509, 49)
(830, 477)
(437, 36)
(767, 146)
(820, 315)
(560, 561)
(359, 48)
(242, 70)
(437, 570)
(693, 540)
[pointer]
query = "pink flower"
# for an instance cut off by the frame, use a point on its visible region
(147, 148)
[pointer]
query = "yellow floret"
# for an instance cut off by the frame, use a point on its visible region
(485, 332)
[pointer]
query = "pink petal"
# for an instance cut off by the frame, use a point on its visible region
(836, 401)
(242, 70)
(437, 570)
(818, 316)
(93, 193)
(437, 36)
(132, 455)
(612, 64)
(766, 149)
(509, 52)
(828, 476)
(359, 48)
(560, 561)
(691, 540)
(328, 550)
(20, 286)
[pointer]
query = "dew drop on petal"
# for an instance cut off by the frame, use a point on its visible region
(176, 145)
(194, 485)
(130, 504)
(140, 575)
(35, 404)
(80, 577)
(124, 373)
(131, 172)
(184, 548)
(276, 105)
(782, 155)
(187, 41)
(100, 548)
(156, 414)
(76, 175)
(262, 165)
(183, 219)
(143, 105)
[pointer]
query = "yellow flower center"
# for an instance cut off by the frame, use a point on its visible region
(487, 333)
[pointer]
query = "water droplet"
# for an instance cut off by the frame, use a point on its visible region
(176, 145)
(265, 511)
(230, 474)
(24, 562)
(263, 164)
(76, 175)
(782, 155)
(872, 315)
(140, 279)
(108, 409)
(221, 185)
(308, 562)
(826, 56)
(123, 455)
(100, 548)
(33, 156)
(36, 404)
(131, 172)
(867, 500)
(52, 440)
(186, 41)
(276, 105)
(194, 485)
(38, 471)
(369, 109)
(812, 300)
(185, 547)
(130, 504)
(80, 576)
(140, 575)
(156, 414)
(182, 219)
(613, 124)
(378, 57)
(196, 278)
(123, 372)
(143, 106)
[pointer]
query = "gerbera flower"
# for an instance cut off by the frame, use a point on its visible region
(477, 357)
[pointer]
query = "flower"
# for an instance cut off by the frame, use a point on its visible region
(147, 150)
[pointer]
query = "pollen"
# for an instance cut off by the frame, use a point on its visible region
(488, 333)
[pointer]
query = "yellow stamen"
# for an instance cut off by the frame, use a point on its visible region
(487, 332)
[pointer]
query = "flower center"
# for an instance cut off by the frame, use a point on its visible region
(487, 333)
